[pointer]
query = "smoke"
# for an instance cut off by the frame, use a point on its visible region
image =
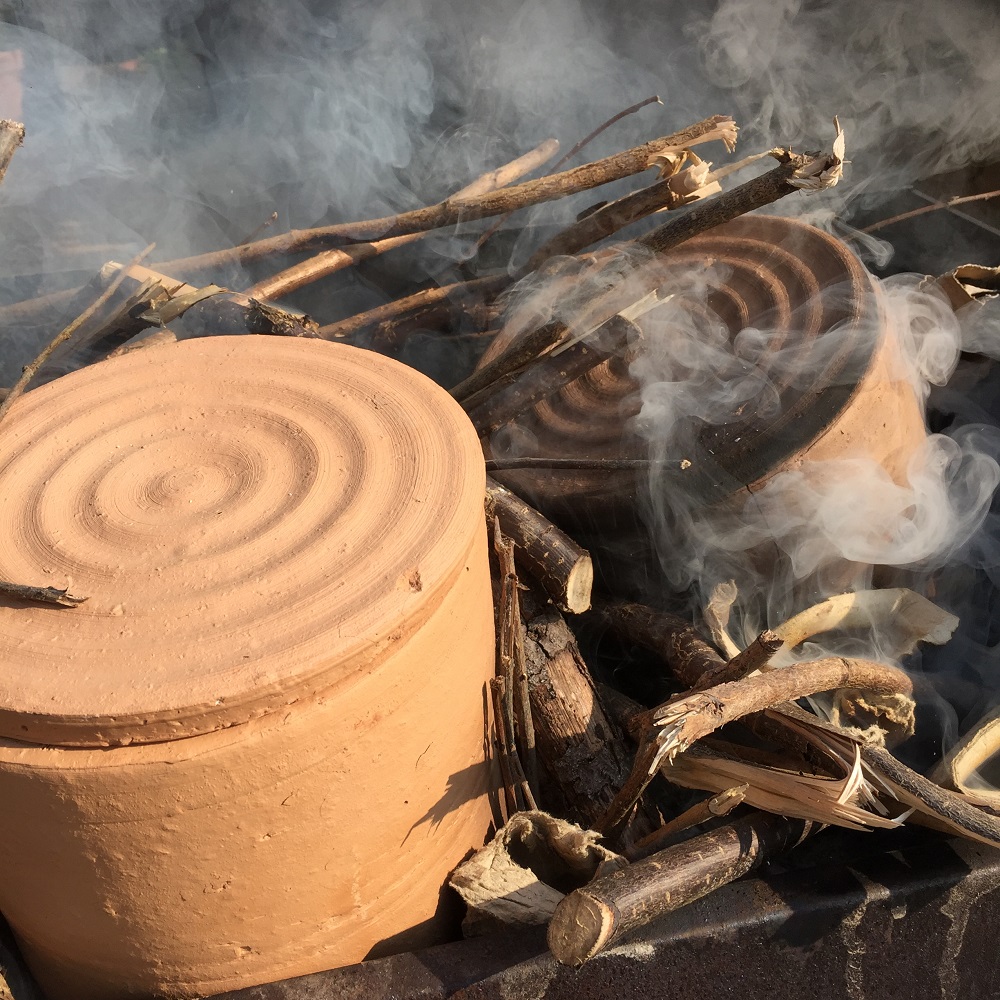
(821, 526)
(189, 123)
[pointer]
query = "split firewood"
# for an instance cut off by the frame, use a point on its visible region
(521, 875)
(591, 918)
(330, 261)
(456, 210)
(583, 752)
(933, 805)
(11, 137)
(958, 769)
(564, 570)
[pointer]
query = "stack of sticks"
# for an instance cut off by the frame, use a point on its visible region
(562, 742)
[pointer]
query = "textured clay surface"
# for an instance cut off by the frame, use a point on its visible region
(251, 519)
(284, 549)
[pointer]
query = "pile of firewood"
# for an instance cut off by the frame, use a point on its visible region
(578, 764)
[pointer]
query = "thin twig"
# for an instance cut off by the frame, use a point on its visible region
(43, 595)
(935, 207)
(711, 808)
(454, 210)
(331, 261)
(563, 160)
(31, 370)
(266, 224)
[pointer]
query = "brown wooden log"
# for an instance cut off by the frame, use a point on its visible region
(590, 919)
(563, 570)
(583, 752)
(690, 659)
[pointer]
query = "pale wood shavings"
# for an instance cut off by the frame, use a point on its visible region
(845, 801)
(824, 170)
(669, 159)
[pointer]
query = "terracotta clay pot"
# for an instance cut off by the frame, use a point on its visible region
(256, 751)
(777, 274)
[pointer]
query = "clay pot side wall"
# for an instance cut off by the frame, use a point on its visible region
(280, 847)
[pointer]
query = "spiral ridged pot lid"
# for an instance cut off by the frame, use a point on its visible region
(794, 281)
(252, 520)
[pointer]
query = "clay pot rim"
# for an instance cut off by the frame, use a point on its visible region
(185, 703)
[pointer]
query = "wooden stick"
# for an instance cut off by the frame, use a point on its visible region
(758, 654)
(608, 219)
(704, 215)
(549, 374)
(330, 261)
(585, 141)
(510, 649)
(687, 719)
(523, 351)
(552, 558)
(590, 919)
(455, 210)
(11, 137)
(934, 207)
(479, 288)
(42, 595)
(713, 807)
(31, 370)
(676, 641)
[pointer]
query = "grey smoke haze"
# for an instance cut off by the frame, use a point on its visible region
(342, 110)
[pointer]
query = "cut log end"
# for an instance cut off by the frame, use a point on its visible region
(580, 586)
(580, 928)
